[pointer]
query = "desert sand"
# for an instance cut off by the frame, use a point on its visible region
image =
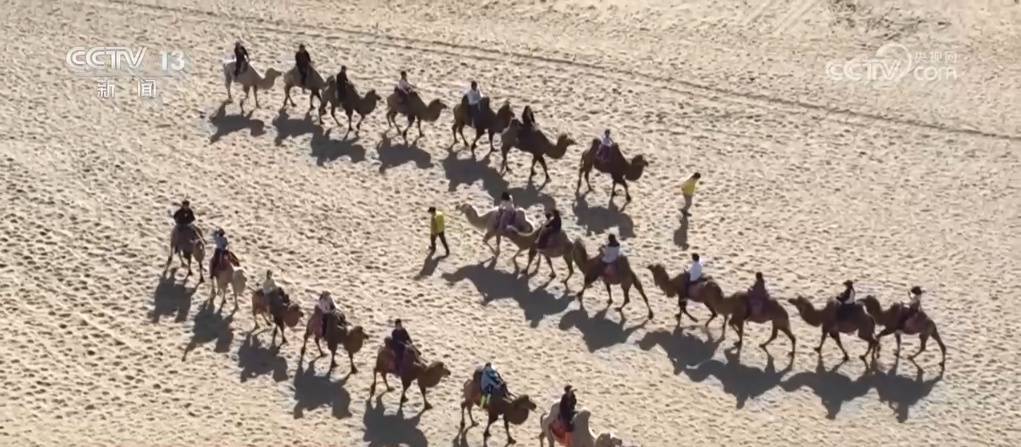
(807, 178)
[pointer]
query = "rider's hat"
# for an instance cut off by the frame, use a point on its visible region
(917, 290)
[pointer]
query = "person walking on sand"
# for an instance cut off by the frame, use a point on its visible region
(437, 229)
(688, 191)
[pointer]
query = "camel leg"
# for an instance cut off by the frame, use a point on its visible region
(506, 428)
(570, 268)
(428, 406)
(772, 337)
(475, 142)
(333, 355)
(358, 127)
(641, 291)
(942, 347)
(840, 344)
(627, 192)
(303, 343)
(794, 343)
(372, 388)
(418, 123)
(609, 293)
(923, 338)
(740, 334)
(627, 297)
(226, 84)
(485, 434)
(255, 319)
(333, 114)
(896, 336)
(351, 362)
(542, 163)
(822, 340)
(549, 262)
(255, 90)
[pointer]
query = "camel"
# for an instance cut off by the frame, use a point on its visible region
(352, 337)
(249, 80)
(707, 292)
(415, 110)
(619, 169)
(488, 222)
(919, 324)
(552, 428)
(351, 102)
(859, 321)
(594, 269)
(187, 247)
(230, 275)
(557, 246)
(281, 316)
(489, 122)
(313, 82)
(513, 409)
(772, 312)
(535, 143)
(428, 376)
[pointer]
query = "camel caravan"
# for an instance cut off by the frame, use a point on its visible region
(485, 389)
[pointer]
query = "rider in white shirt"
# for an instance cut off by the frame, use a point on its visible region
(695, 271)
(326, 307)
(611, 251)
(268, 285)
(605, 144)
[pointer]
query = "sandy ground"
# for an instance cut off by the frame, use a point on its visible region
(809, 179)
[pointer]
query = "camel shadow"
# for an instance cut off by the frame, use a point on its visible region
(739, 380)
(833, 388)
(312, 391)
(326, 150)
(900, 393)
(465, 171)
(529, 196)
(290, 127)
(170, 298)
(384, 430)
(495, 284)
(683, 349)
(209, 325)
(392, 155)
(599, 219)
(597, 331)
(681, 235)
(226, 125)
(256, 359)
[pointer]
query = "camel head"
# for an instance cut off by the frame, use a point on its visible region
(505, 115)
(272, 74)
(660, 276)
(800, 302)
(872, 305)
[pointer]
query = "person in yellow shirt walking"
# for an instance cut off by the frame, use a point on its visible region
(437, 226)
(688, 191)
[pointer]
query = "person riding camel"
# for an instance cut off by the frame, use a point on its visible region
(184, 217)
(268, 285)
(606, 145)
(757, 294)
(505, 213)
(404, 88)
(846, 300)
(694, 273)
(221, 253)
(342, 82)
(303, 61)
(327, 308)
(611, 252)
(240, 58)
(550, 229)
(473, 97)
(400, 341)
(528, 118)
(491, 383)
(914, 307)
(568, 403)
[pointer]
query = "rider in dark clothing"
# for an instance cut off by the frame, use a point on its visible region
(913, 308)
(184, 217)
(342, 82)
(758, 293)
(846, 299)
(303, 61)
(401, 340)
(240, 58)
(551, 228)
(568, 402)
(528, 118)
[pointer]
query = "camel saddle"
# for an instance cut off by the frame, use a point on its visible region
(402, 101)
(693, 288)
(410, 355)
(915, 322)
(184, 234)
(317, 322)
(605, 156)
(611, 270)
(559, 431)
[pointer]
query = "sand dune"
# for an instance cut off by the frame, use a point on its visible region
(807, 179)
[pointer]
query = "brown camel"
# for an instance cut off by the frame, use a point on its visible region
(187, 244)
(351, 102)
(488, 122)
(557, 246)
(534, 142)
(707, 292)
(352, 337)
(289, 314)
(412, 369)
(489, 222)
(313, 82)
(619, 169)
(826, 318)
(250, 80)
(593, 269)
(415, 109)
(737, 307)
(892, 319)
(514, 409)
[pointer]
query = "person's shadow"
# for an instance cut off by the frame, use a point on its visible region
(325, 149)
(832, 387)
(392, 155)
(256, 359)
(429, 265)
(209, 325)
(312, 391)
(741, 381)
(385, 430)
(901, 393)
(681, 235)
(599, 219)
(288, 127)
(682, 348)
(171, 297)
(226, 125)
(597, 331)
(495, 284)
